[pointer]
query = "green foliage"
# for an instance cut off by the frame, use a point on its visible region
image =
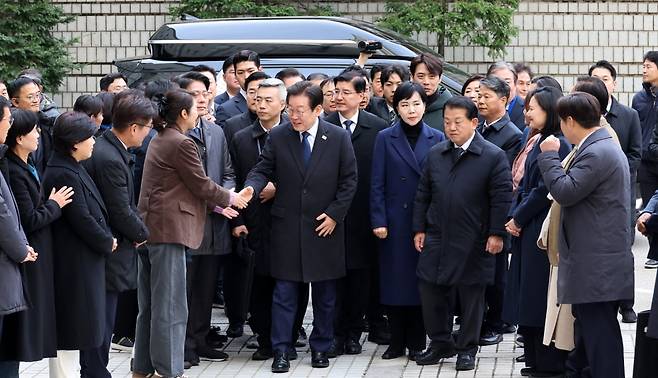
(256, 8)
(485, 23)
(26, 41)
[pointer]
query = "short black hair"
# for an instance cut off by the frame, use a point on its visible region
(312, 92)
(462, 102)
(70, 129)
(109, 79)
(130, 106)
(606, 65)
(546, 81)
(472, 78)
(88, 104)
(24, 122)
(287, 73)
(204, 68)
(358, 81)
(405, 91)
(14, 88)
(434, 64)
(582, 107)
(326, 81)
(594, 86)
(397, 69)
(317, 76)
(4, 103)
(228, 63)
(258, 75)
(159, 87)
(186, 79)
(497, 85)
(651, 56)
(107, 99)
(246, 56)
(358, 69)
(547, 98)
(378, 67)
(523, 67)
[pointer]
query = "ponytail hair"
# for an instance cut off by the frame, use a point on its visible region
(170, 106)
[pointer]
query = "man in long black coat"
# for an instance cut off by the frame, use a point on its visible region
(360, 243)
(459, 219)
(313, 164)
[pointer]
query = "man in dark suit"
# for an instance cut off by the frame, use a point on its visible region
(459, 219)
(596, 262)
(204, 262)
(372, 104)
(515, 103)
(497, 128)
(245, 62)
(360, 243)
(111, 169)
(244, 120)
(232, 84)
(313, 164)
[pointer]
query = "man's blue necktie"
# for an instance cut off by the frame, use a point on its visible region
(306, 148)
(348, 126)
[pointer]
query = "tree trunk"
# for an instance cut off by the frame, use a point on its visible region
(440, 40)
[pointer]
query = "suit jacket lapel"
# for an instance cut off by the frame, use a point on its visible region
(423, 144)
(401, 145)
(318, 149)
(363, 124)
(91, 187)
(294, 142)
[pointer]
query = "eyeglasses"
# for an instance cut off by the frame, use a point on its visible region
(343, 93)
(149, 125)
(34, 97)
(205, 94)
(328, 94)
(299, 112)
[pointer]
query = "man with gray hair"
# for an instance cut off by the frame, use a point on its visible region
(246, 147)
(515, 103)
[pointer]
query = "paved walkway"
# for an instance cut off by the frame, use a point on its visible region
(493, 361)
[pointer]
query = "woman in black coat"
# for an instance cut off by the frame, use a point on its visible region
(30, 335)
(81, 241)
(528, 278)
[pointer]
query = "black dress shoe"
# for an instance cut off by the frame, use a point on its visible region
(393, 352)
(292, 354)
(214, 339)
(413, 353)
(352, 347)
(520, 358)
(337, 348)
(319, 359)
(302, 334)
(253, 345)
(432, 356)
(508, 328)
(235, 330)
(262, 354)
(209, 354)
(379, 337)
(527, 371)
(465, 362)
(280, 363)
(628, 315)
(490, 338)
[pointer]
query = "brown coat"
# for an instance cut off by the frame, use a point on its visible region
(176, 191)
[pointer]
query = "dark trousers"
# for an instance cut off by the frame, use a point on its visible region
(599, 351)
(495, 294)
(93, 362)
(284, 310)
(126, 316)
(234, 275)
(407, 330)
(201, 270)
(261, 309)
(648, 186)
(375, 311)
(352, 292)
(437, 315)
(539, 356)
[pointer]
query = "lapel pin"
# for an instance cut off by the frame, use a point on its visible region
(324, 137)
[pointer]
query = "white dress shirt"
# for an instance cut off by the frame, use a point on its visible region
(354, 119)
(466, 144)
(313, 131)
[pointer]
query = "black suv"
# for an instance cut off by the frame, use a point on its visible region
(310, 44)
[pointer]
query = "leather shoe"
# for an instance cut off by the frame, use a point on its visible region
(520, 358)
(508, 328)
(337, 348)
(262, 354)
(352, 347)
(319, 359)
(392, 352)
(432, 356)
(210, 354)
(413, 353)
(527, 371)
(490, 338)
(628, 315)
(235, 330)
(280, 363)
(215, 339)
(292, 354)
(465, 362)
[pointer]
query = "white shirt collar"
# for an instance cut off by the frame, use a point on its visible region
(489, 124)
(314, 129)
(607, 110)
(585, 138)
(243, 93)
(266, 130)
(466, 144)
(354, 119)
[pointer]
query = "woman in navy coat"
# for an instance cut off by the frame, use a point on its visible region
(528, 277)
(398, 161)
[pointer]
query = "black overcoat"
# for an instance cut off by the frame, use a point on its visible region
(460, 202)
(81, 242)
(360, 242)
(327, 186)
(30, 335)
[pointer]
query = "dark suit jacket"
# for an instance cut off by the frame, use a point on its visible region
(110, 167)
(378, 107)
(176, 191)
(505, 135)
(327, 186)
(516, 113)
(237, 123)
(82, 240)
(220, 99)
(236, 105)
(626, 123)
(360, 241)
(459, 204)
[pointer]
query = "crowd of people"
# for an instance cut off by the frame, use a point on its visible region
(400, 207)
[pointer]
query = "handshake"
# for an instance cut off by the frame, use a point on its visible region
(242, 198)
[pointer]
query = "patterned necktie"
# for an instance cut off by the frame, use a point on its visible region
(306, 148)
(348, 126)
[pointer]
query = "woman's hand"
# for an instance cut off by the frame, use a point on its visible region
(512, 228)
(63, 196)
(380, 232)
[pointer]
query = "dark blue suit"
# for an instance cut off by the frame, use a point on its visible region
(236, 105)
(515, 112)
(220, 99)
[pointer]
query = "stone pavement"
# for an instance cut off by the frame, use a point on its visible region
(493, 361)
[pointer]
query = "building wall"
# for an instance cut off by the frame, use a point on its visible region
(556, 38)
